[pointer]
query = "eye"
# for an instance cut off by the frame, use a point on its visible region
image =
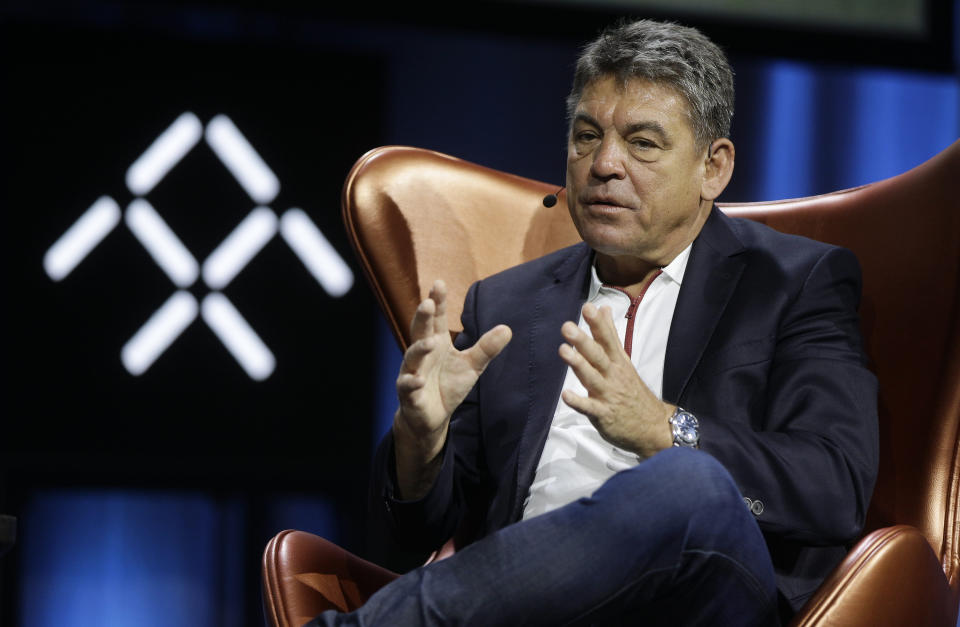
(641, 143)
(585, 136)
(584, 141)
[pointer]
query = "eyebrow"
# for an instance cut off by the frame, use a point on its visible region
(648, 125)
(651, 126)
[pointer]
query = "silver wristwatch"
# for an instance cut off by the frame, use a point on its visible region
(686, 429)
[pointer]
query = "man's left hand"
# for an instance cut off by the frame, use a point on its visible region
(618, 402)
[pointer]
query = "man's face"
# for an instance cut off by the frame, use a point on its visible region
(633, 173)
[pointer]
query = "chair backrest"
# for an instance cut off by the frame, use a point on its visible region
(415, 215)
(906, 233)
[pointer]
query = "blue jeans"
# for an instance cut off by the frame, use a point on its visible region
(668, 542)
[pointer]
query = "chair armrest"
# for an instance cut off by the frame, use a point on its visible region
(891, 577)
(304, 575)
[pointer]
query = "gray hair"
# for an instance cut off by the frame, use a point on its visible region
(678, 56)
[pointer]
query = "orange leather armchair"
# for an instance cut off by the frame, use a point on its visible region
(416, 215)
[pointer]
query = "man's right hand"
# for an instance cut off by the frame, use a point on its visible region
(434, 379)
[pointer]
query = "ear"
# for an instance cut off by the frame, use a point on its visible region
(718, 168)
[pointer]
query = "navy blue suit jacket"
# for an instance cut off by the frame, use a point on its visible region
(764, 348)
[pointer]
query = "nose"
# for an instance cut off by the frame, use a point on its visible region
(608, 160)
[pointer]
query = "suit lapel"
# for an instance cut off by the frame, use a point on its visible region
(709, 281)
(556, 302)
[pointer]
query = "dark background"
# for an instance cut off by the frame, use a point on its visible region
(147, 500)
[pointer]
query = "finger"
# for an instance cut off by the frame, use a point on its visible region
(438, 293)
(488, 346)
(408, 383)
(586, 346)
(422, 323)
(414, 355)
(590, 377)
(602, 328)
(589, 407)
(412, 402)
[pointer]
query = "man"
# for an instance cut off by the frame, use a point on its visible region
(695, 331)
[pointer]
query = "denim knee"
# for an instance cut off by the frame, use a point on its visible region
(681, 487)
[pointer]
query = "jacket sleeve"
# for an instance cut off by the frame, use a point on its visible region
(798, 424)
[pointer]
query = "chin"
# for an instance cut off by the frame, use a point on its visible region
(605, 237)
(612, 248)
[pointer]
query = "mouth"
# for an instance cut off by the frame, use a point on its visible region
(603, 204)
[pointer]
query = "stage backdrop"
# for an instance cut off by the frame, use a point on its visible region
(193, 360)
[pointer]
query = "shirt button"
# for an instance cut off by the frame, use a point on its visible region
(757, 507)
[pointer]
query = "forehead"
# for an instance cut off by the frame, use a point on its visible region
(609, 100)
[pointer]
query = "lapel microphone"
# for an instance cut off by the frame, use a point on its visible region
(551, 199)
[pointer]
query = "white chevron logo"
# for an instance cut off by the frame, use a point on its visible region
(227, 260)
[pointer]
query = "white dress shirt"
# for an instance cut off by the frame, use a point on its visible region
(576, 460)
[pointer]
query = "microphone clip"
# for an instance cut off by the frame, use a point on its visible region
(551, 199)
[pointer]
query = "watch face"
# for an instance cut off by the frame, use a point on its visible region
(688, 435)
(685, 428)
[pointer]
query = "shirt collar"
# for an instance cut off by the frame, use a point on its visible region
(673, 271)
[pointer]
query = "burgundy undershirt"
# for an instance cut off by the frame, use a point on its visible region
(632, 310)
